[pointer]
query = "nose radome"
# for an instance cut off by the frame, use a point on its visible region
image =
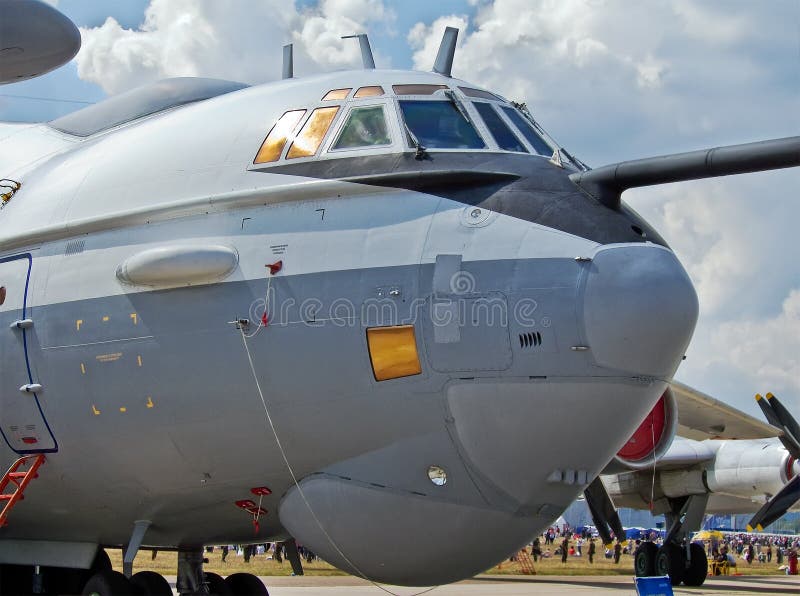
(639, 309)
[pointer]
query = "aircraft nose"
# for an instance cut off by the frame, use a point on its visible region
(639, 309)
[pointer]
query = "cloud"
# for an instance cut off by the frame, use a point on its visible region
(767, 348)
(225, 39)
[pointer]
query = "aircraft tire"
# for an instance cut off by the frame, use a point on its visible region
(670, 561)
(101, 562)
(644, 560)
(15, 579)
(246, 584)
(696, 573)
(151, 583)
(108, 583)
(217, 585)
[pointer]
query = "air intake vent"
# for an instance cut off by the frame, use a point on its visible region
(531, 339)
(74, 247)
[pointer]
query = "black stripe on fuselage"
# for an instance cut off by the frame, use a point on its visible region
(527, 187)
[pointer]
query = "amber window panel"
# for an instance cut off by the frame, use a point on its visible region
(337, 94)
(371, 91)
(273, 145)
(307, 142)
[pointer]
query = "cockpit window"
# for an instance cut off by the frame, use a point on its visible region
(273, 145)
(371, 91)
(500, 131)
(479, 93)
(310, 138)
(439, 125)
(417, 89)
(337, 94)
(538, 143)
(366, 127)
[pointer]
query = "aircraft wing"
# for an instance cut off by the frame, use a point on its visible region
(700, 416)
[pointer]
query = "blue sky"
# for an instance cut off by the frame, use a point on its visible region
(610, 79)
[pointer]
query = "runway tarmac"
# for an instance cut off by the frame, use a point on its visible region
(524, 585)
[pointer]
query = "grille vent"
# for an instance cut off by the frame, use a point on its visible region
(530, 339)
(74, 247)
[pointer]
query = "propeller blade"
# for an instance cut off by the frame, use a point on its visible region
(769, 413)
(778, 416)
(604, 514)
(776, 506)
(788, 421)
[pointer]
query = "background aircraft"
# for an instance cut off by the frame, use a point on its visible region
(316, 271)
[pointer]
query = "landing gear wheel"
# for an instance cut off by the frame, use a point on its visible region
(108, 583)
(670, 561)
(151, 583)
(644, 561)
(246, 584)
(101, 561)
(217, 585)
(16, 579)
(696, 573)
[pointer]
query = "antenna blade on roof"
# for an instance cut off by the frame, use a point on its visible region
(366, 50)
(447, 50)
(288, 61)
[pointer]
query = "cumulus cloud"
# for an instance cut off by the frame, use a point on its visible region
(768, 349)
(226, 39)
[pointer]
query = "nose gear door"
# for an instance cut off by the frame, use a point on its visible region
(22, 422)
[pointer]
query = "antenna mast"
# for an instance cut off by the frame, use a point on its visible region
(447, 50)
(366, 50)
(288, 61)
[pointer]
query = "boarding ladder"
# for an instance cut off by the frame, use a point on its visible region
(17, 478)
(525, 562)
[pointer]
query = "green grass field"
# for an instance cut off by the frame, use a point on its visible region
(166, 564)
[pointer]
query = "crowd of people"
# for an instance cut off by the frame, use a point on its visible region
(564, 542)
(752, 549)
(271, 551)
(769, 549)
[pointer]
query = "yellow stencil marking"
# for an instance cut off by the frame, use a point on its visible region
(78, 324)
(139, 360)
(109, 357)
(105, 319)
(150, 403)
(135, 318)
(95, 410)
(123, 409)
(83, 369)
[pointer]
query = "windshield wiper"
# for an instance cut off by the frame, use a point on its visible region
(420, 154)
(450, 94)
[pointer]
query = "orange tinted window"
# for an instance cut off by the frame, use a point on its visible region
(337, 94)
(417, 89)
(273, 145)
(310, 138)
(373, 91)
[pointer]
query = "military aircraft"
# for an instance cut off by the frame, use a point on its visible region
(721, 461)
(341, 309)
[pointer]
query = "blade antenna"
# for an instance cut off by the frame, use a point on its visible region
(447, 50)
(288, 61)
(366, 50)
